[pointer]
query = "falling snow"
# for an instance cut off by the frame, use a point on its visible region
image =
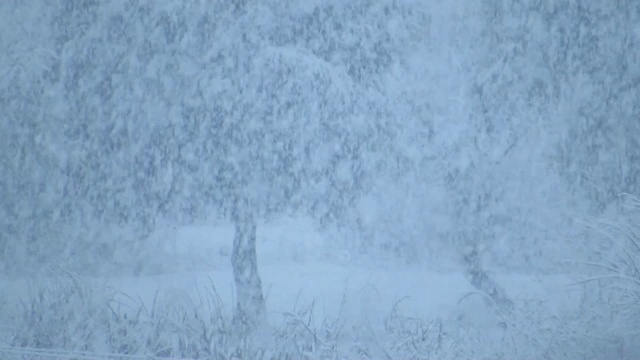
(319, 179)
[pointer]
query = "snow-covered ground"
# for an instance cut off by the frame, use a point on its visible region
(298, 267)
(368, 293)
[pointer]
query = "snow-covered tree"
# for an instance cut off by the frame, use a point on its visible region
(289, 114)
(549, 123)
(592, 50)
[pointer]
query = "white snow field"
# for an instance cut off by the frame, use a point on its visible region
(297, 266)
(350, 308)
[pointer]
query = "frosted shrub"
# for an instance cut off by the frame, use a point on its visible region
(612, 287)
(59, 312)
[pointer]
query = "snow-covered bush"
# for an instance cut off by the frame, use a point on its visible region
(611, 280)
(59, 312)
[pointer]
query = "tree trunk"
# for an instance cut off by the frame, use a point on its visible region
(481, 280)
(250, 306)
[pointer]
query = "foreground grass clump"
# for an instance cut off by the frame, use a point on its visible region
(58, 313)
(612, 276)
(86, 321)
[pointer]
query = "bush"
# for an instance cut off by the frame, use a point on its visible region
(612, 283)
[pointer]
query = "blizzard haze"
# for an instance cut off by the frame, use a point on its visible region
(367, 179)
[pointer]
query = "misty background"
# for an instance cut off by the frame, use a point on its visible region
(467, 136)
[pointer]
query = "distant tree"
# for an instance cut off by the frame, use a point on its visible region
(551, 121)
(498, 170)
(593, 52)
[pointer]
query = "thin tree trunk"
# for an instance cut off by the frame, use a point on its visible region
(481, 280)
(250, 306)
